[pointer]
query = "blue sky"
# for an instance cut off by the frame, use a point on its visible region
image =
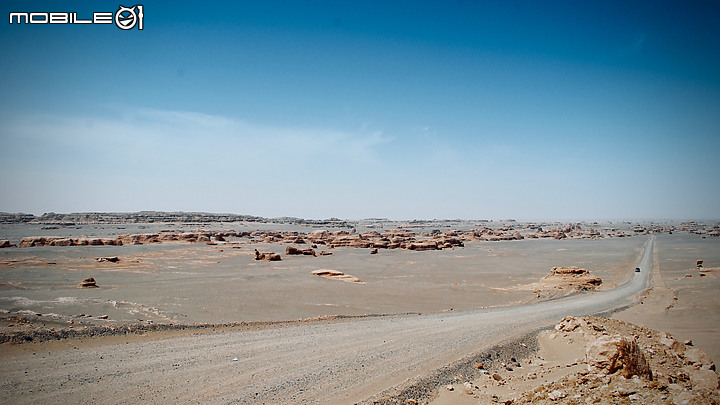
(526, 110)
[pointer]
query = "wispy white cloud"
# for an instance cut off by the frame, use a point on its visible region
(180, 160)
(165, 136)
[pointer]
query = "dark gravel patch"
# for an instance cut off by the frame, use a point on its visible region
(424, 389)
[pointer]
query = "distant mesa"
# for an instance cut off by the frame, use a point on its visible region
(413, 235)
(145, 217)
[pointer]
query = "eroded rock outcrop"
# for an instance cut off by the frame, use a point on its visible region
(267, 256)
(4, 243)
(88, 283)
(610, 354)
(291, 250)
(626, 363)
(571, 277)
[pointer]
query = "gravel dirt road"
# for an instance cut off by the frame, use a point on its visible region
(344, 361)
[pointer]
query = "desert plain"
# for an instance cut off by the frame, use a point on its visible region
(187, 301)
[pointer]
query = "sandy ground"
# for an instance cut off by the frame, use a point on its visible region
(596, 360)
(185, 283)
(680, 301)
(171, 283)
(684, 299)
(344, 361)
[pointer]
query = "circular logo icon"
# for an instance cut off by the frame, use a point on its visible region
(126, 18)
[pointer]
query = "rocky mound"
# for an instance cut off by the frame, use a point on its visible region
(570, 277)
(4, 243)
(290, 250)
(267, 256)
(88, 283)
(626, 363)
(594, 360)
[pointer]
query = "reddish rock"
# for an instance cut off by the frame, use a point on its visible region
(267, 256)
(88, 283)
(4, 243)
(423, 245)
(574, 276)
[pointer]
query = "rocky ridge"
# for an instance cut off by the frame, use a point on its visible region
(617, 363)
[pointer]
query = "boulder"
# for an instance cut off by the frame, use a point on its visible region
(267, 256)
(4, 243)
(88, 283)
(318, 236)
(610, 354)
(291, 250)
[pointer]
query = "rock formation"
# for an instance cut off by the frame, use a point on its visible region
(4, 243)
(610, 354)
(290, 250)
(626, 363)
(88, 283)
(571, 277)
(336, 275)
(267, 256)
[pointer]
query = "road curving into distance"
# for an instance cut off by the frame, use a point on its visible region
(344, 361)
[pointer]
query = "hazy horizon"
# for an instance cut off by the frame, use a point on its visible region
(558, 220)
(552, 111)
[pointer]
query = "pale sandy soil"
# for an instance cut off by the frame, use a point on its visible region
(183, 283)
(172, 283)
(680, 301)
(576, 364)
(684, 300)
